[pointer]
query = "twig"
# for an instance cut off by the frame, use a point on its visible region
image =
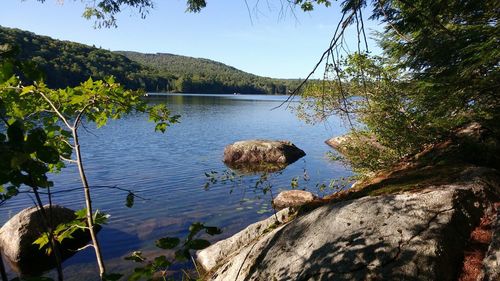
(80, 115)
(93, 186)
(195, 266)
(325, 53)
(67, 142)
(67, 160)
(84, 247)
(249, 13)
(48, 227)
(56, 110)
(392, 25)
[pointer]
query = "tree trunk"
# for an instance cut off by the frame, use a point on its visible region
(47, 224)
(88, 203)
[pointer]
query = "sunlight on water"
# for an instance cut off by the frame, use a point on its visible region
(168, 170)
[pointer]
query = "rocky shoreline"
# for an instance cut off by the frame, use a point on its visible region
(414, 222)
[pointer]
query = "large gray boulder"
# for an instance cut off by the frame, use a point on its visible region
(417, 235)
(259, 152)
(209, 257)
(18, 234)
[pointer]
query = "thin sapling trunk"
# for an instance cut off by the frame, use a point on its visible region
(88, 203)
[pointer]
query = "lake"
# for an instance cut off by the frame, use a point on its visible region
(169, 172)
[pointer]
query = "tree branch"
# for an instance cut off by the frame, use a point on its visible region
(325, 53)
(80, 114)
(56, 111)
(67, 160)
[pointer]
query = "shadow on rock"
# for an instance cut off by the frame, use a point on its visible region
(19, 233)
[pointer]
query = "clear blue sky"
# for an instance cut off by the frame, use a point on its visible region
(266, 44)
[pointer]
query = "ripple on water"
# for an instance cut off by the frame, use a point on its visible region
(169, 170)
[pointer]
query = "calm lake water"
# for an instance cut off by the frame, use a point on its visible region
(168, 171)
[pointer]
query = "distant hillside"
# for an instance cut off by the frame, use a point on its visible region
(196, 74)
(66, 63)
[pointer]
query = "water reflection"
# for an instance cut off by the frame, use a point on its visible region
(256, 168)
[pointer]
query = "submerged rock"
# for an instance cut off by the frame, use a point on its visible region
(261, 152)
(293, 199)
(18, 234)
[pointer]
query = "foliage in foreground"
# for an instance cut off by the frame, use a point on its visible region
(158, 267)
(40, 129)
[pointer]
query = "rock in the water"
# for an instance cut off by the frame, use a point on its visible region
(409, 236)
(337, 142)
(293, 199)
(342, 143)
(18, 234)
(262, 151)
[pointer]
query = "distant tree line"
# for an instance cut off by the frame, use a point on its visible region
(67, 64)
(203, 75)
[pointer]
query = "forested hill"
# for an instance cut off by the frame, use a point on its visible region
(196, 74)
(66, 63)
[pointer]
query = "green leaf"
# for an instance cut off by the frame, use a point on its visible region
(212, 230)
(12, 191)
(194, 229)
(129, 202)
(66, 134)
(161, 262)
(100, 218)
(48, 154)
(307, 6)
(112, 276)
(36, 139)
(18, 160)
(182, 255)
(42, 241)
(162, 127)
(198, 244)
(78, 99)
(15, 133)
(167, 242)
(140, 272)
(81, 214)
